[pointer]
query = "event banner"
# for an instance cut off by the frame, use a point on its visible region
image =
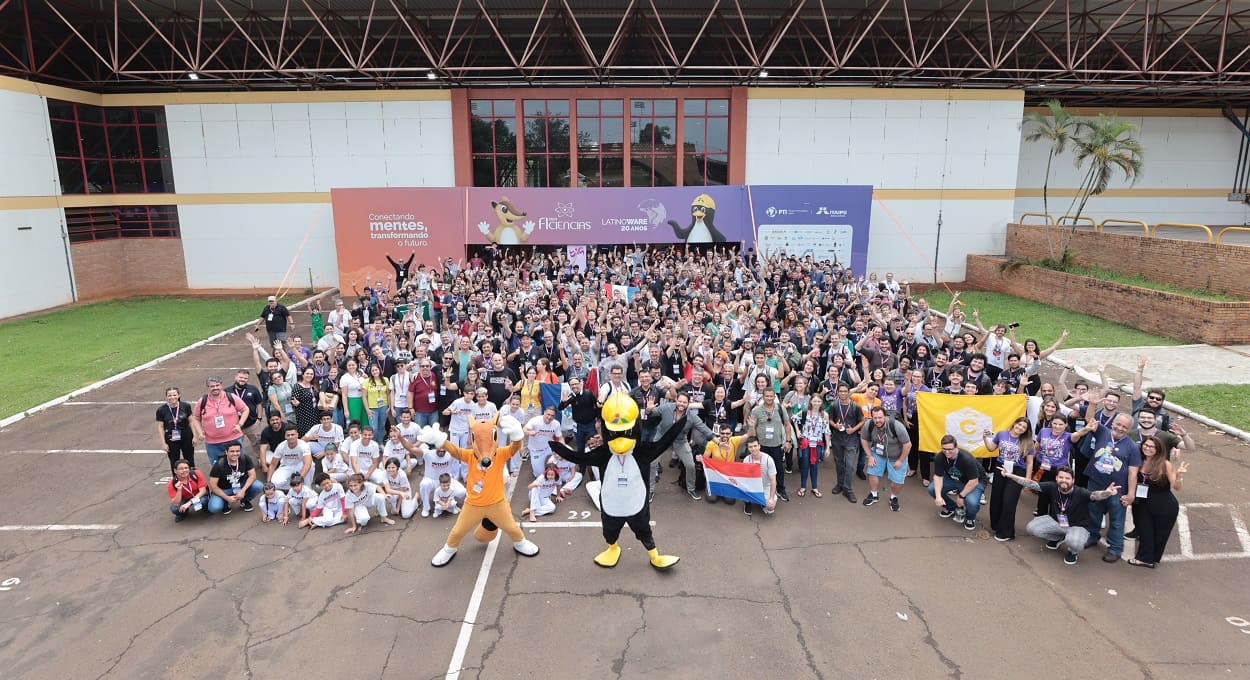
(373, 224)
(553, 216)
(966, 417)
(826, 222)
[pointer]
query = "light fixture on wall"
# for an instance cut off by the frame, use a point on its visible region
(431, 75)
(193, 75)
(763, 73)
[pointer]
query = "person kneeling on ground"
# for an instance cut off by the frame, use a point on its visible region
(958, 484)
(233, 479)
(1068, 517)
(362, 496)
(186, 491)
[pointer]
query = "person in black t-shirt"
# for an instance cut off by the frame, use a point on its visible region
(233, 479)
(1068, 517)
(958, 484)
(173, 420)
(270, 437)
(277, 320)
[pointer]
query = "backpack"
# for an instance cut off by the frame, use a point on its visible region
(892, 426)
(230, 398)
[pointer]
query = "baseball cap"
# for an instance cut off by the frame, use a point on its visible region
(273, 298)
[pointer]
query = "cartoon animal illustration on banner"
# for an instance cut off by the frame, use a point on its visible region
(702, 227)
(508, 229)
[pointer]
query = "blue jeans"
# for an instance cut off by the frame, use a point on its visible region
(582, 434)
(424, 419)
(377, 420)
(216, 503)
(972, 504)
(216, 451)
(1115, 512)
(808, 469)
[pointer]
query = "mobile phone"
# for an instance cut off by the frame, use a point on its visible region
(1014, 324)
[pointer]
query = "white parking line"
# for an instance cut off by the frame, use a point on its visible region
(112, 403)
(60, 527)
(1185, 536)
(89, 451)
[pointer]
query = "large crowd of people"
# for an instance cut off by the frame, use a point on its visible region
(798, 366)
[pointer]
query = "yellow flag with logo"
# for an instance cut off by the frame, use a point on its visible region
(966, 417)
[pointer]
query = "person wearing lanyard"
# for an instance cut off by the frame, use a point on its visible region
(401, 400)
(1067, 517)
(377, 398)
(771, 426)
(1015, 450)
(847, 419)
(1114, 459)
(233, 479)
(887, 444)
(173, 426)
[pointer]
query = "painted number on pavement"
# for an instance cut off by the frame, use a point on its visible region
(573, 514)
(9, 583)
(1239, 622)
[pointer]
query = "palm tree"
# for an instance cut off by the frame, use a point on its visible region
(1107, 145)
(1057, 128)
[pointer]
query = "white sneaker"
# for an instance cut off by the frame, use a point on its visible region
(526, 547)
(442, 557)
(438, 512)
(425, 512)
(455, 510)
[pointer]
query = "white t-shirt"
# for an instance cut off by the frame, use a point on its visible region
(365, 454)
(364, 497)
(544, 432)
(296, 499)
(291, 458)
(337, 464)
(334, 435)
(436, 464)
(410, 431)
(399, 482)
(444, 496)
(461, 409)
(332, 499)
(351, 386)
(481, 414)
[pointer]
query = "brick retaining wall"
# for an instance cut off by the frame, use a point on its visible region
(1167, 314)
(1216, 268)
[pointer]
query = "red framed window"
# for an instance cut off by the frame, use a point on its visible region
(129, 221)
(114, 150)
(601, 142)
(492, 126)
(705, 138)
(547, 137)
(605, 138)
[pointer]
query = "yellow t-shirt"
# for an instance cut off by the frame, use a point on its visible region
(730, 453)
(376, 393)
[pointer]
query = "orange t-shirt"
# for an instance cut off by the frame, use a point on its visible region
(862, 400)
(492, 479)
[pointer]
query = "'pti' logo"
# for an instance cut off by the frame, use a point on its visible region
(966, 425)
(771, 211)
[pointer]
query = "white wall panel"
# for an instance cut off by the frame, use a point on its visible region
(898, 144)
(39, 278)
(27, 167)
(246, 246)
(1179, 152)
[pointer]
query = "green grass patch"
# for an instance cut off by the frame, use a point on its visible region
(1225, 403)
(1143, 282)
(1045, 323)
(51, 354)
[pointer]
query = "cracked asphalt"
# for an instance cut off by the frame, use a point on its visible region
(822, 589)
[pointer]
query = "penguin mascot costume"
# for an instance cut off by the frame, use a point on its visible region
(485, 502)
(623, 463)
(702, 227)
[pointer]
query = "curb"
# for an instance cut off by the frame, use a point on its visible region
(1170, 406)
(17, 417)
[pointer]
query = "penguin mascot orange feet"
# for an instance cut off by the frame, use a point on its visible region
(623, 464)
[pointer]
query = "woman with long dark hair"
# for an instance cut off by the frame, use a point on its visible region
(1015, 450)
(1155, 508)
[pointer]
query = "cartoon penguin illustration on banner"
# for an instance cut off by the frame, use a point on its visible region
(702, 227)
(623, 462)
